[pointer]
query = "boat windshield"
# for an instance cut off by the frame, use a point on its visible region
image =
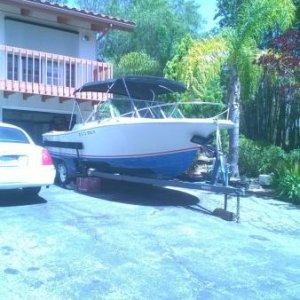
(142, 109)
(123, 107)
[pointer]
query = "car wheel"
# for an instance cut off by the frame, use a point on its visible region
(62, 174)
(32, 191)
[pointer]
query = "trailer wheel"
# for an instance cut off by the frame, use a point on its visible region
(62, 172)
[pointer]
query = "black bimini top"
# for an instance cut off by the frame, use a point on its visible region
(138, 87)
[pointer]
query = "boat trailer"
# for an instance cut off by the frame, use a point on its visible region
(219, 179)
(217, 184)
(176, 183)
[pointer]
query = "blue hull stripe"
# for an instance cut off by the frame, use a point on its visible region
(169, 165)
(164, 166)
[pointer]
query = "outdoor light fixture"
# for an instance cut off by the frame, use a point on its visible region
(86, 38)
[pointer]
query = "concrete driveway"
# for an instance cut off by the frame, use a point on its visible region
(137, 242)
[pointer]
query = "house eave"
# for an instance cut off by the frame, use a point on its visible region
(98, 22)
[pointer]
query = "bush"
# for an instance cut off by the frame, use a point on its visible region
(287, 184)
(273, 157)
(137, 63)
(256, 158)
(249, 155)
(287, 178)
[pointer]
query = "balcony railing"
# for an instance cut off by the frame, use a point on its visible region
(50, 75)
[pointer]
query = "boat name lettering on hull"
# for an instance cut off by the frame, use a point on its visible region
(87, 132)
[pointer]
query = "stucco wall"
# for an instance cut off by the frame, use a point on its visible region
(2, 31)
(87, 44)
(45, 34)
(41, 38)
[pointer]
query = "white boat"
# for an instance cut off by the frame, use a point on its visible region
(152, 139)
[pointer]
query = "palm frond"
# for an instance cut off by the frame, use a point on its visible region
(204, 61)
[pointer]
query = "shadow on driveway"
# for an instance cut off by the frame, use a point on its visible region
(143, 194)
(17, 198)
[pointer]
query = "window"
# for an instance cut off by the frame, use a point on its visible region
(70, 75)
(30, 69)
(12, 66)
(52, 72)
(60, 73)
(12, 135)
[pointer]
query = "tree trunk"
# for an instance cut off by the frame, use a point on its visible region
(233, 100)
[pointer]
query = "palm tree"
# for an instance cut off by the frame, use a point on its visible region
(255, 18)
(198, 64)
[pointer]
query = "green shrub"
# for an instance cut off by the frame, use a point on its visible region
(137, 63)
(287, 184)
(256, 158)
(249, 155)
(273, 158)
(287, 178)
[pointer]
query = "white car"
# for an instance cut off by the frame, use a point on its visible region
(23, 164)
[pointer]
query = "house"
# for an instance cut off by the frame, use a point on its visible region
(46, 52)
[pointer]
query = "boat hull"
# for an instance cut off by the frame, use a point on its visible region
(142, 147)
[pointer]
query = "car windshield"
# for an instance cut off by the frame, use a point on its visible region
(12, 135)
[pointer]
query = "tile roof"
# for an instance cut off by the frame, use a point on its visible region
(115, 22)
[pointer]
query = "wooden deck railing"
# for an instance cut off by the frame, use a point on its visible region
(50, 75)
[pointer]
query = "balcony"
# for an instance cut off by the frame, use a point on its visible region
(49, 75)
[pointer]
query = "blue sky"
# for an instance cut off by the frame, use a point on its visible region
(208, 11)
